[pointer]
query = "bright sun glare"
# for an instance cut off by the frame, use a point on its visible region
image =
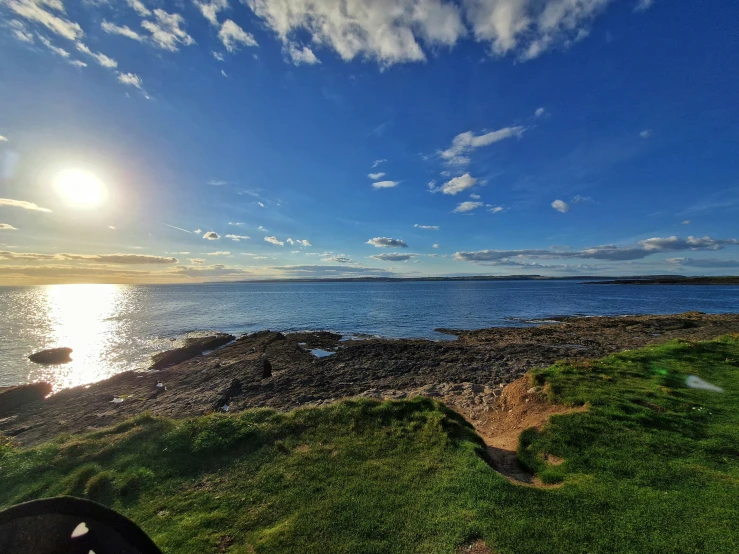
(80, 188)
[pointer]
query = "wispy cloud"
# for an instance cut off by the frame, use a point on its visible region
(139, 7)
(130, 79)
(385, 184)
(462, 145)
(378, 162)
(122, 30)
(167, 30)
(274, 240)
(232, 36)
(7, 227)
(22, 204)
(539, 112)
(376, 176)
(427, 227)
(301, 55)
(237, 238)
(393, 257)
(385, 242)
(455, 185)
(211, 235)
(99, 57)
(467, 206)
(610, 252)
(561, 206)
(210, 9)
(55, 49)
(180, 228)
(33, 11)
(219, 253)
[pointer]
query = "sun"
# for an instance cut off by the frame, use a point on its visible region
(80, 188)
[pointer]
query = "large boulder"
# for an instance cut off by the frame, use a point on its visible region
(194, 346)
(52, 356)
(15, 397)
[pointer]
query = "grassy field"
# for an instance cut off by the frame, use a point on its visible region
(651, 466)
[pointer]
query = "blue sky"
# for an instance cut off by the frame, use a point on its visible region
(279, 138)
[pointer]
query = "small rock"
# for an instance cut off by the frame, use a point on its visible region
(52, 356)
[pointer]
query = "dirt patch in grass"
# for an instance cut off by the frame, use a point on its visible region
(477, 547)
(519, 407)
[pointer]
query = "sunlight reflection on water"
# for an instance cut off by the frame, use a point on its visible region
(81, 317)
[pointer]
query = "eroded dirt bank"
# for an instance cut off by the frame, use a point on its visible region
(466, 374)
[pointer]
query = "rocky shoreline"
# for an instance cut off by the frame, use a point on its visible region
(466, 374)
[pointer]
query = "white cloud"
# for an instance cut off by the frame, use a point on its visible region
(218, 56)
(196, 231)
(304, 242)
(217, 182)
(197, 261)
(210, 235)
(687, 222)
(210, 9)
(139, 7)
(539, 112)
(290, 241)
(112, 227)
(231, 35)
(300, 55)
(167, 31)
(219, 253)
(643, 5)
(393, 257)
(579, 199)
(528, 28)
(236, 223)
(22, 204)
(610, 252)
(59, 51)
(122, 30)
(387, 31)
(32, 11)
(427, 227)
(495, 209)
(376, 176)
(20, 32)
(385, 184)
(77, 63)
(130, 79)
(223, 73)
(340, 259)
(455, 185)
(385, 242)
(475, 196)
(646, 133)
(7, 227)
(119, 258)
(99, 57)
(262, 229)
(463, 143)
(434, 246)
(273, 240)
(260, 204)
(561, 206)
(467, 206)
(237, 238)
(378, 162)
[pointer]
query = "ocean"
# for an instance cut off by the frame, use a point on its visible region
(114, 328)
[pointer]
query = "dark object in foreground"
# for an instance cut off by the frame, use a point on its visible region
(15, 397)
(193, 347)
(266, 368)
(70, 525)
(52, 356)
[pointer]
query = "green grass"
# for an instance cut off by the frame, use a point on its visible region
(652, 466)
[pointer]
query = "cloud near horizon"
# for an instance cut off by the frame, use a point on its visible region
(638, 251)
(22, 204)
(385, 242)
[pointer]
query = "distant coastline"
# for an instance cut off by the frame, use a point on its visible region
(672, 280)
(607, 278)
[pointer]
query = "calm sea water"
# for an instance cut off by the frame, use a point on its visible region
(113, 328)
